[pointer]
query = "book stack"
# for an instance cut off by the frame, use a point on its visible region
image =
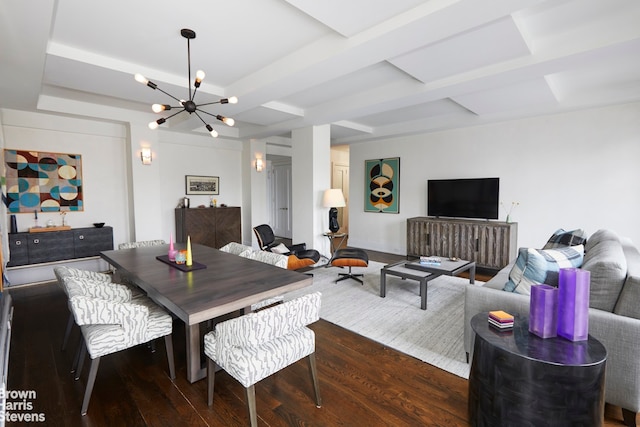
(429, 260)
(500, 319)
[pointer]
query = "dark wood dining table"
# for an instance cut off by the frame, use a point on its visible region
(227, 284)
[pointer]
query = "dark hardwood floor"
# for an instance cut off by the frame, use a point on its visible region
(361, 381)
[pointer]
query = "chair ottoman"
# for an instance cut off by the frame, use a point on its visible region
(350, 257)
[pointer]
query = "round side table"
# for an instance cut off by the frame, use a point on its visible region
(519, 379)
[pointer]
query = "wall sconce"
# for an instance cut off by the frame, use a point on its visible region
(145, 156)
(259, 165)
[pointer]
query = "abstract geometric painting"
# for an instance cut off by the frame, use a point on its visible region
(382, 185)
(44, 182)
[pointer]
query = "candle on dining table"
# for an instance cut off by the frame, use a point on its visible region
(573, 304)
(189, 257)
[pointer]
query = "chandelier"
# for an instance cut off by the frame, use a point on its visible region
(189, 105)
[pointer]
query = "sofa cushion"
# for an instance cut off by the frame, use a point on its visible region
(627, 304)
(606, 261)
(561, 238)
(541, 266)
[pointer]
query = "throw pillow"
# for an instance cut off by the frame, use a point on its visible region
(280, 249)
(541, 266)
(562, 238)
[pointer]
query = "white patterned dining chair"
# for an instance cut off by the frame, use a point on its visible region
(257, 345)
(90, 283)
(270, 258)
(108, 327)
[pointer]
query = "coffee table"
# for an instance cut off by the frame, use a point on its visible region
(423, 273)
(447, 267)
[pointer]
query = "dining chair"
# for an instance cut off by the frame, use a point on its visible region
(257, 345)
(271, 258)
(236, 248)
(141, 244)
(109, 327)
(90, 283)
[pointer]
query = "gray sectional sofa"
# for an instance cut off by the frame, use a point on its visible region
(614, 314)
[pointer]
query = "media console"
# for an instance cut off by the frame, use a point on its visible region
(490, 244)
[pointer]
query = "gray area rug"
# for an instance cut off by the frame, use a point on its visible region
(434, 335)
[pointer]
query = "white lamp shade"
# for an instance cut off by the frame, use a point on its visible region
(333, 198)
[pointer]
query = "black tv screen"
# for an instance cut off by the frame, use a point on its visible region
(463, 198)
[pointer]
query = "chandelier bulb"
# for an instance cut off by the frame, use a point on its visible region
(233, 100)
(141, 79)
(212, 131)
(229, 121)
(153, 125)
(157, 108)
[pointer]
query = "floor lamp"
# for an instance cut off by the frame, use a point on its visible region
(333, 198)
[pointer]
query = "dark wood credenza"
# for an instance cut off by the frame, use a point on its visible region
(490, 244)
(50, 246)
(214, 227)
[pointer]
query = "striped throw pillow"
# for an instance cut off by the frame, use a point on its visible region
(541, 266)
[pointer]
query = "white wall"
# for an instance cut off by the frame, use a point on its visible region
(571, 170)
(107, 184)
(102, 146)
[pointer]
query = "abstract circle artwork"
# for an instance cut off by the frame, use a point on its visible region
(382, 181)
(44, 182)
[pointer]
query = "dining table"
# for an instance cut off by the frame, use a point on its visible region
(217, 284)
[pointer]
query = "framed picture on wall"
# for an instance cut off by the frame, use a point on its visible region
(382, 185)
(202, 184)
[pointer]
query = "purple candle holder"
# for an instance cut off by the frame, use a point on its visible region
(573, 304)
(543, 311)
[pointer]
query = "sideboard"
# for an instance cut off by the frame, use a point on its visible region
(490, 244)
(214, 227)
(50, 246)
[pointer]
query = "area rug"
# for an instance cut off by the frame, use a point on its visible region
(434, 335)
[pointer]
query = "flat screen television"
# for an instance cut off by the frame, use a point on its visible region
(463, 198)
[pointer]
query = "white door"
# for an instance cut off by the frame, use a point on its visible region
(340, 179)
(282, 213)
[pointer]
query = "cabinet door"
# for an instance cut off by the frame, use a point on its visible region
(493, 246)
(200, 226)
(18, 249)
(90, 242)
(50, 246)
(228, 228)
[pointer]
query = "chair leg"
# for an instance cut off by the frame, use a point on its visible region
(91, 379)
(76, 357)
(314, 378)
(168, 343)
(80, 365)
(67, 332)
(251, 404)
(211, 378)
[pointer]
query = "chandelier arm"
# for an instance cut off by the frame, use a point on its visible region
(205, 112)
(169, 95)
(209, 103)
(174, 114)
(198, 115)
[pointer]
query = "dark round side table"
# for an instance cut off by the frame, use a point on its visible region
(519, 379)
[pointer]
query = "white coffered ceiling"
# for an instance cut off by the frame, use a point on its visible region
(372, 69)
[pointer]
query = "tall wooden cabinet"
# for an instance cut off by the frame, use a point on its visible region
(214, 227)
(490, 244)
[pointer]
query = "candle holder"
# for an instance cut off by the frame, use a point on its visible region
(543, 311)
(573, 304)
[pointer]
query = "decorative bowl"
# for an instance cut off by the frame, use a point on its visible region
(98, 224)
